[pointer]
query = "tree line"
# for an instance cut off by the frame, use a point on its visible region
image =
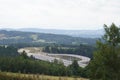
(25, 64)
(8, 51)
(84, 50)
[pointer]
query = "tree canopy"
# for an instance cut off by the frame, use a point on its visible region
(105, 64)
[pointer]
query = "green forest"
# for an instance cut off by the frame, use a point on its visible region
(25, 64)
(8, 51)
(84, 50)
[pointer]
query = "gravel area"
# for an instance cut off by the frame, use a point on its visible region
(51, 57)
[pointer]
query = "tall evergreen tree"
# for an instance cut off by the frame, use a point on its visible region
(106, 61)
(112, 34)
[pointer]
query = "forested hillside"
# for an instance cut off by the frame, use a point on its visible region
(10, 37)
(8, 51)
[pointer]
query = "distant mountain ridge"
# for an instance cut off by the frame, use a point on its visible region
(75, 33)
(8, 37)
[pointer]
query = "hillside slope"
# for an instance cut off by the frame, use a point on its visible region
(9, 37)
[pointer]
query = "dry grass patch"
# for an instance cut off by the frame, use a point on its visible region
(19, 76)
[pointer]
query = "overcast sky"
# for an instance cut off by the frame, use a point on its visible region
(59, 14)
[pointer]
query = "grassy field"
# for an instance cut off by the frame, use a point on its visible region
(19, 76)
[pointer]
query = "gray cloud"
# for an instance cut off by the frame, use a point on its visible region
(59, 14)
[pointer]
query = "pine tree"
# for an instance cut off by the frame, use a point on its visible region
(105, 64)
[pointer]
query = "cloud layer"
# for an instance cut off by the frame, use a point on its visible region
(59, 14)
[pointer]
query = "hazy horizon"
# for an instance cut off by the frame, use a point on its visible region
(18, 28)
(59, 14)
